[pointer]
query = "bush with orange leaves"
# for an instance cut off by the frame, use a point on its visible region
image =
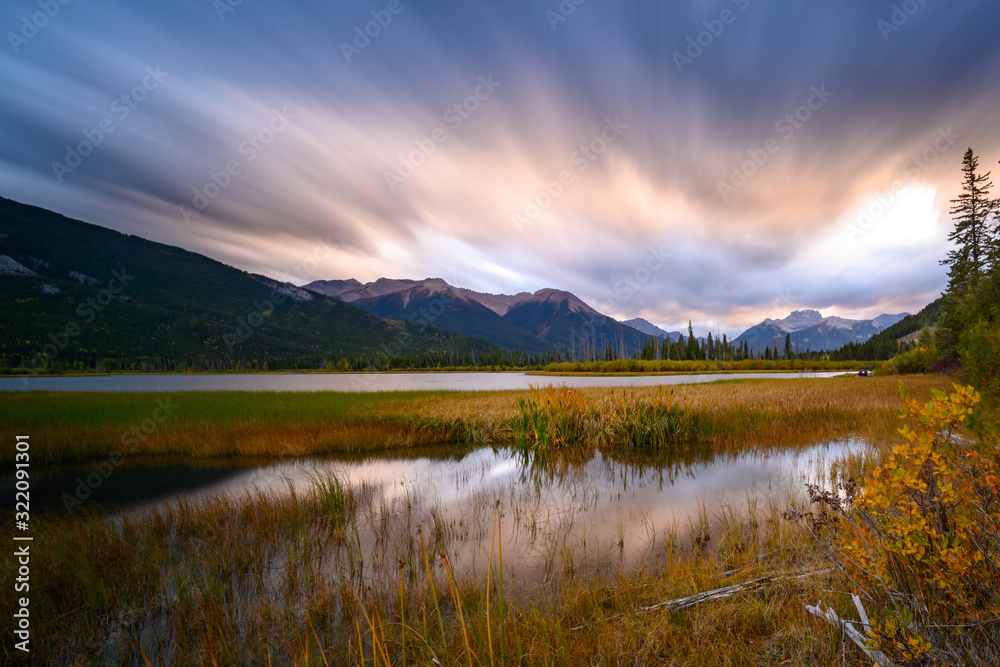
(919, 537)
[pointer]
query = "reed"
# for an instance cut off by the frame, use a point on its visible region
(731, 415)
(265, 578)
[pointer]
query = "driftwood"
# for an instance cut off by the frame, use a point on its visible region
(850, 631)
(714, 594)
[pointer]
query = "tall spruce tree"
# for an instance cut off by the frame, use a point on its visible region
(972, 235)
(993, 258)
(974, 251)
(693, 349)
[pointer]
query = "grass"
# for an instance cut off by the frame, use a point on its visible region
(284, 578)
(343, 574)
(730, 416)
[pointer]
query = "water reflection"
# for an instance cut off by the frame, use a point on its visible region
(560, 515)
(360, 381)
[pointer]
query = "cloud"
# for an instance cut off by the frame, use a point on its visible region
(585, 147)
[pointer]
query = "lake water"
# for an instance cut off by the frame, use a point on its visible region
(359, 381)
(594, 513)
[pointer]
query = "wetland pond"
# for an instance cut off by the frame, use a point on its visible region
(591, 514)
(436, 381)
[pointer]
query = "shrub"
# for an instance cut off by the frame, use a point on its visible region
(920, 538)
(918, 360)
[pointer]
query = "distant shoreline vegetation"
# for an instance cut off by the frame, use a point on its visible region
(644, 366)
(614, 367)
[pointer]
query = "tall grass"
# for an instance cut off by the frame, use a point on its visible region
(340, 575)
(275, 579)
(554, 418)
(729, 415)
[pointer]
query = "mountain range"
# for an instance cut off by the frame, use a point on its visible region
(544, 321)
(651, 329)
(77, 291)
(810, 331)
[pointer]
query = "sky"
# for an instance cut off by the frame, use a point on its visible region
(719, 161)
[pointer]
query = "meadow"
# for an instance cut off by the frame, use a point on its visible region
(284, 579)
(729, 415)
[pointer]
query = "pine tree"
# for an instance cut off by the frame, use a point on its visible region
(993, 254)
(975, 248)
(788, 346)
(972, 235)
(694, 351)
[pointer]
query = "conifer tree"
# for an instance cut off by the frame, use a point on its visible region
(972, 235)
(694, 351)
(974, 250)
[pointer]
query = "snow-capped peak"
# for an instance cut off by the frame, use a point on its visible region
(798, 320)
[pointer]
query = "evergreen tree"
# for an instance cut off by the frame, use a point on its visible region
(975, 247)
(694, 351)
(710, 346)
(972, 235)
(788, 346)
(993, 250)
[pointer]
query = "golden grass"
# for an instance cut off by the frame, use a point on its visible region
(731, 415)
(284, 580)
(279, 579)
(737, 415)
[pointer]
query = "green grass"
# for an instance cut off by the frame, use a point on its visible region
(728, 417)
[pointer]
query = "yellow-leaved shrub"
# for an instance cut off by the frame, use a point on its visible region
(919, 537)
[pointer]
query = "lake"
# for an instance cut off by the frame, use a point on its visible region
(593, 513)
(361, 381)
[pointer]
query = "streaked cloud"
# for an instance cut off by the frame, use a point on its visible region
(588, 131)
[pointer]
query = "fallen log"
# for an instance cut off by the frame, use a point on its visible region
(714, 594)
(851, 632)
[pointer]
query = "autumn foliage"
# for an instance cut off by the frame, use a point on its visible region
(919, 537)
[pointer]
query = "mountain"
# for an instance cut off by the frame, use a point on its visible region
(434, 301)
(352, 291)
(544, 321)
(651, 329)
(561, 317)
(810, 331)
(92, 293)
(885, 344)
